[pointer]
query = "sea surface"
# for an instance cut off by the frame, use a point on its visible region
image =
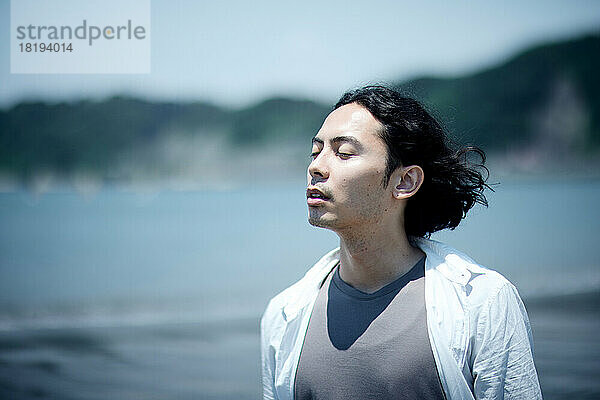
(158, 294)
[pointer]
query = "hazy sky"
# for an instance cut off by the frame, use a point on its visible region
(236, 52)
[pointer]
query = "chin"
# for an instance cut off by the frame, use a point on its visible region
(319, 221)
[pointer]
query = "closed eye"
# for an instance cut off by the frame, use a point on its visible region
(344, 156)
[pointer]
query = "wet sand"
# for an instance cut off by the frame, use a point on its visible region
(567, 345)
(220, 361)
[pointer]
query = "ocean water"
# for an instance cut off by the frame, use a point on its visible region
(158, 295)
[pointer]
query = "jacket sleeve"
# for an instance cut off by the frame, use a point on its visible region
(502, 354)
(267, 359)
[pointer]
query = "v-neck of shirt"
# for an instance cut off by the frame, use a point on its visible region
(417, 271)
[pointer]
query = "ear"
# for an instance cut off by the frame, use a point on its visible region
(407, 181)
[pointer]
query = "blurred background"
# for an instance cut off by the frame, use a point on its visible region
(145, 220)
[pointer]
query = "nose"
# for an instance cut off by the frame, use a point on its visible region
(317, 168)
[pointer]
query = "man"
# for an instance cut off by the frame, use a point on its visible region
(391, 314)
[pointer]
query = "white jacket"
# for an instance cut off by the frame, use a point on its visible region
(477, 324)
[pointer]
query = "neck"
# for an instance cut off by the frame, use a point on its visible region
(372, 258)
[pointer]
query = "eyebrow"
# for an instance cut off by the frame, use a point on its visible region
(340, 139)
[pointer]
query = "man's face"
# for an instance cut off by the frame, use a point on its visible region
(349, 160)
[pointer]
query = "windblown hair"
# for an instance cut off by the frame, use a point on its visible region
(452, 185)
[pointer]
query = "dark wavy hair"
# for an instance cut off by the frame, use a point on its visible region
(452, 184)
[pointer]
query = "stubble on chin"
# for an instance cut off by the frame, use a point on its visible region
(318, 220)
(315, 222)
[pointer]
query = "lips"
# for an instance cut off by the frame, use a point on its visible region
(315, 196)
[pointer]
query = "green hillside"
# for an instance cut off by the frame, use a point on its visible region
(278, 120)
(496, 108)
(67, 137)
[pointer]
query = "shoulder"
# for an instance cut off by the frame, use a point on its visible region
(467, 297)
(474, 284)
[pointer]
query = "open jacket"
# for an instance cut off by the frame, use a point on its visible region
(477, 324)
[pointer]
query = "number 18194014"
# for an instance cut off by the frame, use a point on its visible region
(46, 47)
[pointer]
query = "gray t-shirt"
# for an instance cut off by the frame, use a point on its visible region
(369, 346)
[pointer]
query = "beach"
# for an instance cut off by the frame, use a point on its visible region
(220, 361)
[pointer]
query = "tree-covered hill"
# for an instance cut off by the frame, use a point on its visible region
(506, 105)
(90, 136)
(67, 136)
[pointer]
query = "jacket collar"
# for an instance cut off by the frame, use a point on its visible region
(452, 264)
